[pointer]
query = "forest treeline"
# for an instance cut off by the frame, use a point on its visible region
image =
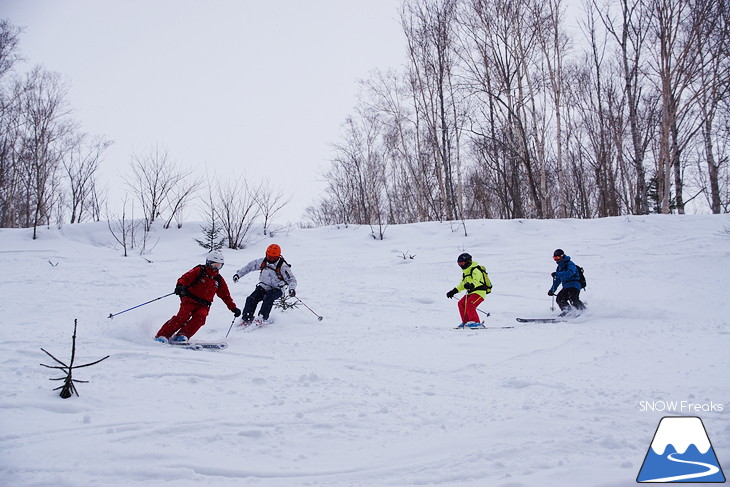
(503, 111)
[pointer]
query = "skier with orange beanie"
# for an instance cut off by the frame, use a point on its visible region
(275, 275)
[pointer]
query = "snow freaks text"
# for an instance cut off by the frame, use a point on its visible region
(680, 407)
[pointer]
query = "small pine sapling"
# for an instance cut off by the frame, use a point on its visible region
(68, 388)
(284, 303)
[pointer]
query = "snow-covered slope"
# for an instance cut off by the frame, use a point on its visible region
(382, 391)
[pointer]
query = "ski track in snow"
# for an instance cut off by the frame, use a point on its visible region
(382, 392)
(711, 470)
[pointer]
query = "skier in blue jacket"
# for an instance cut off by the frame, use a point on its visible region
(568, 275)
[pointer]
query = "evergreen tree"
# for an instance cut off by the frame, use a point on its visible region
(212, 234)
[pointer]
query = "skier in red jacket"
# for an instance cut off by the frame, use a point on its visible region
(196, 289)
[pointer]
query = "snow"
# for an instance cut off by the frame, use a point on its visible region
(382, 391)
(688, 429)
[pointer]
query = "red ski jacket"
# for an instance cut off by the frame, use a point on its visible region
(202, 284)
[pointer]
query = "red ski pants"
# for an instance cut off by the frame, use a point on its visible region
(468, 307)
(187, 321)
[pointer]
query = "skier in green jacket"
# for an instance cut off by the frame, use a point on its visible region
(477, 285)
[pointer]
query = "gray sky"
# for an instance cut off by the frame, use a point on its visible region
(246, 86)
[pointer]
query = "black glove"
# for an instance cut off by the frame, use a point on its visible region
(552, 274)
(468, 286)
(181, 290)
(236, 312)
(550, 293)
(292, 293)
(236, 277)
(452, 293)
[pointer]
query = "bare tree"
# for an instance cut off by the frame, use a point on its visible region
(554, 43)
(123, 228)
(269, 201)
(630, 32)
(234, 202)
(679, 38)
(45, 125)
(154, 177)
(81, 164)
(9, 39)
(713, 95)
(429, 30)
(97, 200)
(179, 197)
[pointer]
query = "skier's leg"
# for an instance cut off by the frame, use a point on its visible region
(196, 321)
(462, 309)
(251, 301)
(574, 299)
(176, 322)
(472, 301)
(269, 298)
(562, 299)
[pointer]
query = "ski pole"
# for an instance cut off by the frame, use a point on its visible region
(112, 315)
(231, 327)
(310, 309)
(552, 305)
(483, 312)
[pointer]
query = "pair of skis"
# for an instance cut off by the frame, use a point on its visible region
(252, 325)
(200, 345)
(482, 326)
(541, 320)
(188, 345)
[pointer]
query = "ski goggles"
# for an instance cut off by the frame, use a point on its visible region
(215, 265)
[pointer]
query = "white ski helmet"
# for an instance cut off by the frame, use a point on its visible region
(215, 256)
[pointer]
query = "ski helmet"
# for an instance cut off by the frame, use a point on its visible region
(464, 260)
(558, 254)
(214, 259)
(273, 252)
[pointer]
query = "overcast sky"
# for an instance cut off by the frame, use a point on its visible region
(247, 86)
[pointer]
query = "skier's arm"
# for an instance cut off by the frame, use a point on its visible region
(288, 276)
(188, 278)
(224, 293)
(250, 267)
(555, 285)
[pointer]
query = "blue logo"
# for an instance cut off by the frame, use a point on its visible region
(681, 452)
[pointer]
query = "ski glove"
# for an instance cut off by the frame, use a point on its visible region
(551, 293)
(292, 293)
(552, 274)
(180, 290)
(235, 277)
(236, 312)
(452, 293)
(468, 286)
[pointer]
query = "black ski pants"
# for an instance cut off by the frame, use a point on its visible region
(569, 296)
(260, 294)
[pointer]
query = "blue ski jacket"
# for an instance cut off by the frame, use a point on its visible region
(566, 274)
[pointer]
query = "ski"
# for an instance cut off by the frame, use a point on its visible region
(541, 320)
(201, 345)
(482, 327)
(254, 325)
